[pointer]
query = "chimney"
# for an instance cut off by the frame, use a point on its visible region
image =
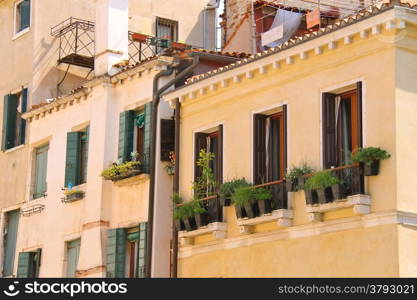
(111, 35)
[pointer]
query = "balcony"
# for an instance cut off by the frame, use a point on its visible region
(349, 193)
(77, 44)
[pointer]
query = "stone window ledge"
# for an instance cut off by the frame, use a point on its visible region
(361, 205)
(217, 229)
(283, 217)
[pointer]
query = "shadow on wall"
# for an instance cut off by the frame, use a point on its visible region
(204, 29)
(47, 75)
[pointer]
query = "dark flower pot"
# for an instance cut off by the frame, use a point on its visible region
(300, 182)
(371, 169)
(179, 225)
(251, 210)
(338, 191)
(74, 197)
(264, 207)
(225, 201)
(291, 184)
(240, 212)
(189, 224)
(325, 195)
(201, 219)
(311, 197)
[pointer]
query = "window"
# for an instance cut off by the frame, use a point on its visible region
(73, 253)
(77, 157)
(211, 141)
(126, 252)
(167, 29)
(342, 126)
(10, 236)
(14, 127)
(29, 264)
(134, 135)
(41, 163)
(22, 15)
(269, 146)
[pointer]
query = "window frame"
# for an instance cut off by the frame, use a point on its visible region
(17, 33)
(35, 194)
(282, 116)
(174, 27)
(67, 248)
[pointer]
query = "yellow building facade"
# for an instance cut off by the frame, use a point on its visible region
(372, 233)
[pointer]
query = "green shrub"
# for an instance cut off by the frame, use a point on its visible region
(115, 169)
(228, 188)
(369, 154)
(188, 209)
(176, 198)
(296, 172)
(321, 180)
(72, 192)
(262, 194)
(243, 195)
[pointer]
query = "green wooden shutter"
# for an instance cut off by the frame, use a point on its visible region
(147, 139)
(73, 253)
(41, 171)
(9, 121)
(25, 265)
(72, 159)
(126, 130)
(25, 14)
(140, 271)
(23, 121)
(12, 219)
(116, 253)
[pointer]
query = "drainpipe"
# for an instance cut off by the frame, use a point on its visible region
(176, 187)
(154, 122)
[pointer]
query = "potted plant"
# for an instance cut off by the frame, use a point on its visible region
(178, 46)
(295, 177)
(138, 37)
(170, 166)
(72, 195)
(199, 212)
(184, 212)
(178, 213)
(243, 197)
(322, 182)
(370, 157)
(118, 171)
(228, 188)
(263, 196)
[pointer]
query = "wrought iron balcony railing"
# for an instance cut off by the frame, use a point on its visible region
(77, 44)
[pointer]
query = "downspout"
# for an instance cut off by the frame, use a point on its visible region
(176, 187)
(154, 122)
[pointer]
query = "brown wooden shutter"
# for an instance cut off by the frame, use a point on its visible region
(359, 112)
(167, 138)
(259, 149)
(329, 130)
(200, 143)
(285, 146)
(220, 156)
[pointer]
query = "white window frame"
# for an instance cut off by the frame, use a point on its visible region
(17, 34)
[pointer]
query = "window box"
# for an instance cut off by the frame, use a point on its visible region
(116, 172)
(138, 37)
(71, 196)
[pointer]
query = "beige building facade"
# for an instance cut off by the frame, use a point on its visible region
(369, 233)
(60, 101)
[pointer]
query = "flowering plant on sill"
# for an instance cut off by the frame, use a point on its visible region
(121, 170)
(170, 166)
(72, 194)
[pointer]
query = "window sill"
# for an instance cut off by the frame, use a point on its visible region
(217, 229)
(361, 205)
(20, 33)
(14, 148)
(282, 216)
